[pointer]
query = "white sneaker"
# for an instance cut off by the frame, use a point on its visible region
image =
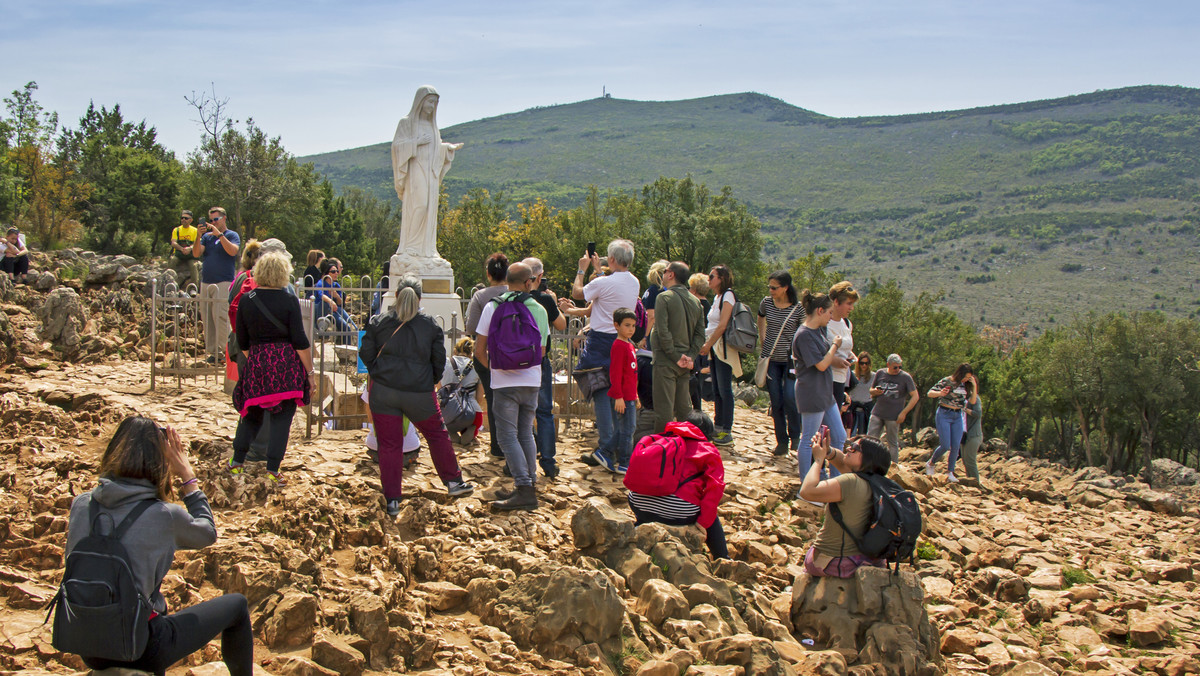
(929, 468)
(372, 443)
(951, 478)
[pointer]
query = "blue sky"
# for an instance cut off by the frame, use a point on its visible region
(331, 75)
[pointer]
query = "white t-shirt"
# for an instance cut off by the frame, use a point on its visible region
(4, 244)
(841, 327)
(606, 294)
(530, 377)
(714, 313)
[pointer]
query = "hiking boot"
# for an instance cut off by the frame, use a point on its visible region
(929, 468)
(524, 498)
(603, 460)
(723, 439)
(550, 471)
(457, 487)
(233, 467)
(780, 449)
(393, 507)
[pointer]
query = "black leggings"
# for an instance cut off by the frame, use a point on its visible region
(277, 434)
(485, 379)
(714, 535)
(174, 637)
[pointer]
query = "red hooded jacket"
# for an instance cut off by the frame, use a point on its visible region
(702, 456)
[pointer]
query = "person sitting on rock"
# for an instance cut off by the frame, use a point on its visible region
(833, 554)
(694, 502)
(137, 466)
(15, 261)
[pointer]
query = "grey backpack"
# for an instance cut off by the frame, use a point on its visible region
(741, 334)
(98, 611)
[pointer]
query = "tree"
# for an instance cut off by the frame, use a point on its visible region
(380, 221)
(341, 229)
(464, 233)
(45, 199)
(812, 272)
(250, 174)
(134, 181)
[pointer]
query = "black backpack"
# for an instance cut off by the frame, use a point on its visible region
(895, 522)
(98, 610)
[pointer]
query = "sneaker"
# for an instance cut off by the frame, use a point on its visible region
(393, 507)
(275, 477)
(233, 467)
(372, 443)
(457, 487)
(723, 439)
(603, 461)
(622, 468)
(780, 449)
(590, 459)
(951, 478)
(929, 468)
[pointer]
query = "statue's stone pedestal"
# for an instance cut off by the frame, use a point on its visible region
(438, 298)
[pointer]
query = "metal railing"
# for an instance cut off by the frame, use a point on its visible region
(177, 333)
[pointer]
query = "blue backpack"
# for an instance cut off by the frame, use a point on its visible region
(513, 339)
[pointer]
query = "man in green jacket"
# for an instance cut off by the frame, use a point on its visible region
(675, 341)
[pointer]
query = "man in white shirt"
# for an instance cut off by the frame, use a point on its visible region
(606, 293)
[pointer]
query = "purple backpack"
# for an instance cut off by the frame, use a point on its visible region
(513, 339)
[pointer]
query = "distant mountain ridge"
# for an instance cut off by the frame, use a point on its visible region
(1008, 192)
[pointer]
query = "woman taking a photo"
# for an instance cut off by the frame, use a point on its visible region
(277, 377)
(951, 394)
(136, 473)
(815, 355)
(779, 316)
(404, 350)
(723, 362)
(861, 402)
(834, 554)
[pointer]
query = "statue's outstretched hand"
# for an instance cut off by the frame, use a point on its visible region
(455, 146)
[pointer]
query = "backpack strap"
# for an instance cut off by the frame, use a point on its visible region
(266, 313)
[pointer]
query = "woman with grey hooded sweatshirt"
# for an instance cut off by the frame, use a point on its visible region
(138, 465)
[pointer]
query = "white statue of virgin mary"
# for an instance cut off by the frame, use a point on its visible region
(419, 163)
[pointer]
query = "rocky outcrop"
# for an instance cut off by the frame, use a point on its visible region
(874, 617)
(63, 318)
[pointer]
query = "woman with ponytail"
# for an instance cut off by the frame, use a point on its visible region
(815, 355)
(404, 350)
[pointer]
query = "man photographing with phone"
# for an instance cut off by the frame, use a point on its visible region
(217, 246)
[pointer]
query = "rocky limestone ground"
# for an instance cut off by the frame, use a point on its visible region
(1036, 570)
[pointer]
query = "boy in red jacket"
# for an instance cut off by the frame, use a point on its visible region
(622, 376)
(694, 502)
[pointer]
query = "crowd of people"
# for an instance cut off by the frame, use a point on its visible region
(652, 357)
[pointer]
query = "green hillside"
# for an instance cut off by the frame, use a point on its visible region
(1021, 212)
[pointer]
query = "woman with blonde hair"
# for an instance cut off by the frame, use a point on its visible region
(278, 373)
(654, 281)
(404, 350)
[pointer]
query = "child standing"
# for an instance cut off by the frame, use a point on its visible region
(622, 374)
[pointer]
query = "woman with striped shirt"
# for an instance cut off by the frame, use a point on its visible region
(779, 315)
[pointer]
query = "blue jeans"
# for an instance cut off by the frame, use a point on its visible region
(782, 389)
(810, 423)
(623, 441)
(596, 352)
(861, 413)
(950, 430)
(344, 324)
(544, 436)
(722, 375)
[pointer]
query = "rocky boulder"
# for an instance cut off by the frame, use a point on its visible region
(287, 620)
(63, 318)
(1170, 473)
(927, 438)
(874, 617)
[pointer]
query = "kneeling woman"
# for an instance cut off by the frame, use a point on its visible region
(834, 554)
(137, 467)
(404, 350)
(694, 502)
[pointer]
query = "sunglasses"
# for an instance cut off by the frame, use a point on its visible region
(774, 288)
(215, 217)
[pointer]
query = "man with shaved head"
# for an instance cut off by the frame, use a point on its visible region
(512, 325)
